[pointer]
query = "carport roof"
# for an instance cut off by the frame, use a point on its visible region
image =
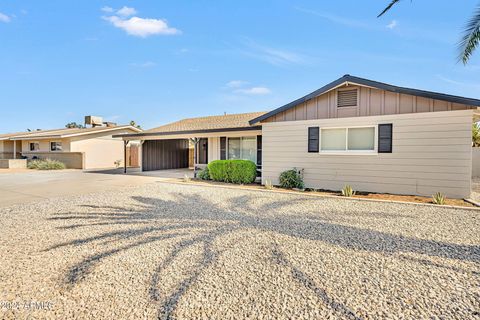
(228, 122)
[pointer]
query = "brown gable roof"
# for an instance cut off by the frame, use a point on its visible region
(229, 121)
(369, 83)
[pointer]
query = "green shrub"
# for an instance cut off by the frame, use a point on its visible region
(234, 171)
(46, 164)
(438, 198)
(292, 178)
(347, 191)
(204, 174)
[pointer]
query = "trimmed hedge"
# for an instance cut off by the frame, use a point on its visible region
(233, 171)
(204, 174)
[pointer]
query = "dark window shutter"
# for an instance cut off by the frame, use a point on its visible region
(259, 151)
(385, 138)
(313, 138)
(223, 148)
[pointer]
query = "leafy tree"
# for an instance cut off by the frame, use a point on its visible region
(134, 124)
(74, 125)
(476, 135)
(471, 35)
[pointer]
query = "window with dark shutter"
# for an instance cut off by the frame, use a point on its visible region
(385, 138)
(223, 148)
(347, 98)
(259, 151)
(313, 138)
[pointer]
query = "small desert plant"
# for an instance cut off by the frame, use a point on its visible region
(292, 178)
(117, 163)
(347, 191)
(438, 198)
(204, 174)
(268, 184)
(186, 178)
(47, 164)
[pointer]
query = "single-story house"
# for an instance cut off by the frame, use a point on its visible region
(79, 148)
(373, 136)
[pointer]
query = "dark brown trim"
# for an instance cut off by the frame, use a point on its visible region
(171, 133)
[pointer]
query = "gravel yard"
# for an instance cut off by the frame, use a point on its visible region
(173, 251)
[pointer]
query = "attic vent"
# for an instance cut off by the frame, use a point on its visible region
(347, 98)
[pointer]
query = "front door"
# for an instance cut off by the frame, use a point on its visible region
(202, 151)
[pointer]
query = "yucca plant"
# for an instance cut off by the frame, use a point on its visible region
(438, 198)
(476, 135)
(347, 191)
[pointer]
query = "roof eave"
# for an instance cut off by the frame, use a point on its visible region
(171, 133)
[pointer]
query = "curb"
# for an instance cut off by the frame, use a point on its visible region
(192, 183)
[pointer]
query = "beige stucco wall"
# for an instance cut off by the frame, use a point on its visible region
(431, 153)
(100, 152)
(476, 162)
(6, 149)
(44, 145)
(371, 102)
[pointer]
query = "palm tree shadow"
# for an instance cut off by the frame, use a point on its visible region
(187, 211)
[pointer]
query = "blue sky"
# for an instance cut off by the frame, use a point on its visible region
(159, 61)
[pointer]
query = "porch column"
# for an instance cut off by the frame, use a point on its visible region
(125, 142)
(195, 143)
(14, 149)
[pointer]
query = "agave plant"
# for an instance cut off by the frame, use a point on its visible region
(347, 191)
(268, 184)
(471, 34)
(438, 198)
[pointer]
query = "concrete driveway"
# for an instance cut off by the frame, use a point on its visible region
(19, 187)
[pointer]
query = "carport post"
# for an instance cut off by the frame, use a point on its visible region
(125, 142)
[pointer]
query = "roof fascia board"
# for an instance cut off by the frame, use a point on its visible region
(171, 133)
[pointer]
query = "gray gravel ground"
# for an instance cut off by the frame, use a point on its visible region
(191, 252)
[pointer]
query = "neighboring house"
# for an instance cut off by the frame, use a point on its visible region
(373, 136)
(78, 148)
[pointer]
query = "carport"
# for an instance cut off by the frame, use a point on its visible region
(194, 142)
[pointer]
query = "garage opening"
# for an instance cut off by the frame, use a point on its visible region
(165, 154)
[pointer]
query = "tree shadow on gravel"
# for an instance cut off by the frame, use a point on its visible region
(142, 224)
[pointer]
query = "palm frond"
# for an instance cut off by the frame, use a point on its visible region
(471, 37)
(394, 2)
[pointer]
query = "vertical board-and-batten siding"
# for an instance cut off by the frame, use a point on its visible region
(371, 102)
(431, 153)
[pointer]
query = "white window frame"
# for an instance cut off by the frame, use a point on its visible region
(50, 146)
(30, 150)
(241, 138)
(353, 152)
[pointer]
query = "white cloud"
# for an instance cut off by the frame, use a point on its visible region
(271, 55)
(4, 18)
(136, 26)
(107, 9)
(236, 83)
(254, 91)
(126, 11)
(141, 27)
(393, 24)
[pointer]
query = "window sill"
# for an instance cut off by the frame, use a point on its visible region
(349, 153)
